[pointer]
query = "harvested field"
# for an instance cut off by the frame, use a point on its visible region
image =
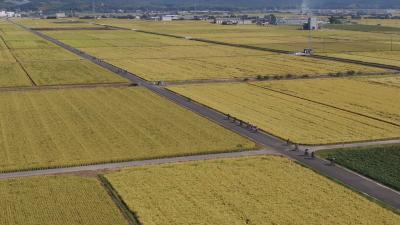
(57, 200)
(289, 117)
(87, 126)
(257, 190)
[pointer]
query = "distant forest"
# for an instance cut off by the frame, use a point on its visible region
(104, 5)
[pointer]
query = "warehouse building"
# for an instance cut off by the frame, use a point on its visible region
(312, 24)
(232, 21)
(169, 17)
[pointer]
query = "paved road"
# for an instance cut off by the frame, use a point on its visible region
(116, 166)
(351, 179)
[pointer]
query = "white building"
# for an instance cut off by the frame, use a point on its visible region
(312, 23)
(169, 17)
(292, 21)
(60, 15)
(8, 14)
(232, 21)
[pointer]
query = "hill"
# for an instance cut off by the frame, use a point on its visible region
(51, 5)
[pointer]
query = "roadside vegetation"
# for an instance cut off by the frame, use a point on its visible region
(381, 163)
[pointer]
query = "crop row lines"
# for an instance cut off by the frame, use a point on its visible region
(119, 202)
(18, 61)
(322, 57)
(325, 104)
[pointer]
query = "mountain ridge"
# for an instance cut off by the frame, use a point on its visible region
(82, 5)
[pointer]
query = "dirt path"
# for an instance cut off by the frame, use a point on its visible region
(353, 145)
(66, 86)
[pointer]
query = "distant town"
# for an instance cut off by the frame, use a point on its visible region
(310, 19)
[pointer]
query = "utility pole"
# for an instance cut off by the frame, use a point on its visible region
(310, 46)
(391, 42)
(93, 7)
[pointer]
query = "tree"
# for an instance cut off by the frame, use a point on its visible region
(335, 20)
(272, 19)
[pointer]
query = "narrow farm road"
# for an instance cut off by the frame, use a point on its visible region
(346, 177)
(353, 145)
(120, 165)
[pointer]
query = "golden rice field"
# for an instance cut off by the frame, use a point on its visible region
(30, 44)
(290, 38)
(2, 46)
(393, 81)
(19, 35)
(173, 52)
(354, 95)
(57, 200)
(183, 61)
(87, 126)
(44, 54)
(46, 63)
(54, 23)
(116, 38)
(233, 67)
(288, 117)
(257, 190)
(382, 22)
(6, 57)
(384, 57)
(12, 75)
(69, 72)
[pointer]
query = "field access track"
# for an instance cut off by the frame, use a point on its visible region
(355, 181)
